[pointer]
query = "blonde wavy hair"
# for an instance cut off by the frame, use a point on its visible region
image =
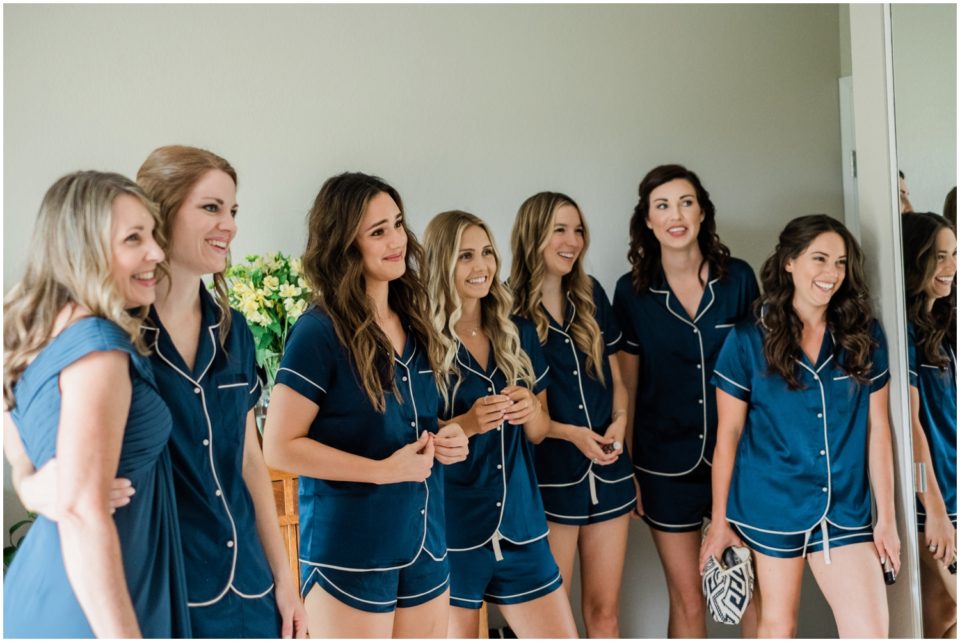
(167, 176)
(69, 262)
(442, 243)
(532, 230)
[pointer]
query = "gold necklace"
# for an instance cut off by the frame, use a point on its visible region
(473, 331)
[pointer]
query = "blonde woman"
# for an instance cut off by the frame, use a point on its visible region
(585, 476)
(80, 387)
(239, 583)
(495, 527)
(354, 413)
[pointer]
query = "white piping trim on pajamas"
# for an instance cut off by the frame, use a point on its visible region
(251, 597)
(800, 548)
(465, 599)
(700, 523)
(615, 340)
(316, 385)
(878, 376)
(847, 528)
(232, 385)
(612, 510)
(427, 592)
(534, 590)
(703, 377)
(728, 379)
(723, 325)
(354, 597)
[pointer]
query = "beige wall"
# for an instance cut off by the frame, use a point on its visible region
(925, 88)
(473, 107)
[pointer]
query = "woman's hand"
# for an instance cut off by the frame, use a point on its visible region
(451, 444)
(411, 463)
(591, 445)
(525, 405)
(719, 536)
(38, 491)
(887, 541)
(940, 537)
(293, 615)
(485, 414)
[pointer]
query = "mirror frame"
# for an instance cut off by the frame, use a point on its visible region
(879, 216)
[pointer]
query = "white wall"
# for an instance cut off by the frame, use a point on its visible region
(925, 88)
(473, 107)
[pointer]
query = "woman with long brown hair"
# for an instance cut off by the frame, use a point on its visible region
(803, 432)
(354, 413)
(496, 391)
(930, 271)
(682, 296)
(583, 471)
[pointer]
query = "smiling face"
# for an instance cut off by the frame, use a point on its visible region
(565, 241)
(204, 225)
(675, 214)
(945, 270)
(134, 252)
(382, 240)
(476, 266)
(818, 271)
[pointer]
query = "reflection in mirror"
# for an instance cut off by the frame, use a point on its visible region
(930, 269)
(924, 62)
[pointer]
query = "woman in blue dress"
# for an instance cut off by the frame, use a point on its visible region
(238, 575)
(930, 270)
(803, 433)
(354, 413)
(585, 476)
(80, 388)
(496, 530)
(238, 579)
(682, 296)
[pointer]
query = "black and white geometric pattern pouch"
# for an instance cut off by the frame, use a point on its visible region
(728, 586)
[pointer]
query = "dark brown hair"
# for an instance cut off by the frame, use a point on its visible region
(334, 268)
(167, 176)
(644, 253)
(938, 325)
(848, 314)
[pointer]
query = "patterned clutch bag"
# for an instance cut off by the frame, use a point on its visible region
(728, 586)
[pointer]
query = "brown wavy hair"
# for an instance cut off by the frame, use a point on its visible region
(167, 176)
(68, 262)
(849, 315)
(334, 267)
(936, 326)
(644, 252)
(532, 230)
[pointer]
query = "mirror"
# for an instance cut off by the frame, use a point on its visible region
(925, 109)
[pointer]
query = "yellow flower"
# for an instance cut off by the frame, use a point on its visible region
(249, 306)
(296, 309)
(296, 266)
(270, 283)
(287, 291)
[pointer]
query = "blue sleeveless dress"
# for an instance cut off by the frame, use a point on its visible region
(38, 599)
